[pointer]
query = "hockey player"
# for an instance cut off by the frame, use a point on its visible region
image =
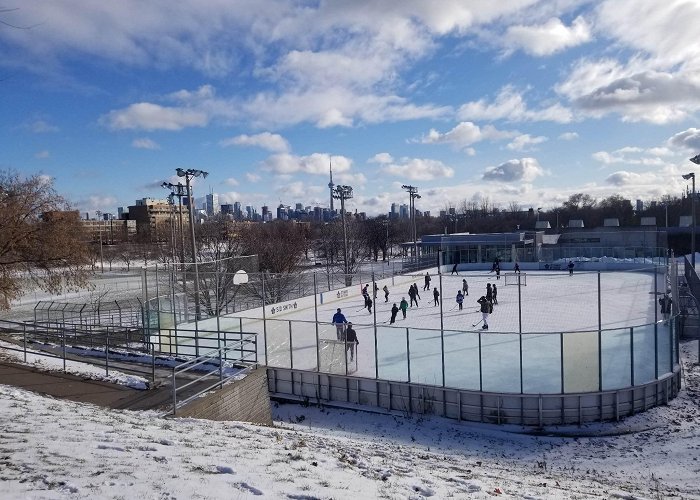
(403, 305)
(666, 304)
(454, 270)
(427, 281)
(415, 289)
(351, 340)
(386, 293)
(436, 296)
(459, 299)
(412, 295)
(489, 292)
(465, 287)
(498, 272)
(494, 290)
(369, 304)
(516, 269)
(486, 308)
(571, 268)
(394, 312)
(376, 289)
(339, 321)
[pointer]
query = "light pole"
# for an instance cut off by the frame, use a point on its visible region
(691, 175)
(179, 191)
(343, 193)
(99, 224)
(386, 226)
(538, 214)
(188, 175)
(413, 194)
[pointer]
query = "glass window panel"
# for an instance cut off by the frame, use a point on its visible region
(500, 362)
(278, 343)
(392, 354)
(663, 342)
(541, 363)
(643, 342)
(616, 358)
(581, 362)
(425, 356)
(462, 360)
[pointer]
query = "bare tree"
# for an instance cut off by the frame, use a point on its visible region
(42, 242)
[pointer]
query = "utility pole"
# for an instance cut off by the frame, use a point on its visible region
(343, 193)
(99, 224)
(413, 194)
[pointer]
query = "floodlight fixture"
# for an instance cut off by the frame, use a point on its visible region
(695, 159)
(689, 176)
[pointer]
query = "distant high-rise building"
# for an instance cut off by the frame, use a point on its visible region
(237, 210)
(227, 209)
(640, 205)
(212, 204)
(394, 214)
(403, 211)
(265, 213)
(249, 211)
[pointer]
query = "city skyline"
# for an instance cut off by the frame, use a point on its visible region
(516, 102)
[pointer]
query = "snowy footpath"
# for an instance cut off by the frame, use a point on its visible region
(59, 449)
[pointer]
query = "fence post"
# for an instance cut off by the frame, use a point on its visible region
(318, 346)
(600, 339)
(262, 274)
(442, 328)
(632, 356)
(24, 340)
(153, 364)
(63, 341)
(408, 355)
(174, 394)
(107, 353)
(291, 347)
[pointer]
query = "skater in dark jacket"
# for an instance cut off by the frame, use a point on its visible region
(351, 341)
(454, 270)
(494, 290)
(386, 293)
(415, 289)
(459, 299)
(465, 287)
(489, 292)
(436, 296)
(486, 308)
(369, 305)
(571, 268)
(427, 281)
(412, 295)
(394, 312)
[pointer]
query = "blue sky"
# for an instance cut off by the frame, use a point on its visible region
(517, 101)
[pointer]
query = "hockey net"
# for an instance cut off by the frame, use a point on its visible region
(334, 357)
(512, 278)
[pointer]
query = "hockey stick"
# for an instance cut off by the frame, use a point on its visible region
(482, 319)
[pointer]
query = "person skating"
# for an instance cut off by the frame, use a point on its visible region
(394, 312)
(412, 295)
(376, 289)
(351, 340)
(415, 289)
(571, 268)
(498, 272)
(369, 305)
(486, 308)
(365, 294)
(666, 305)
(459, 299)
(465, 287)
(386, 293)
(516, 269)
(494, 290)
(489, 292)
(339, 321)
(436, 296)
(454, 270)
(403, 305)
(427, 282)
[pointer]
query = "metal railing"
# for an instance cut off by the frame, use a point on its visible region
(216, 359)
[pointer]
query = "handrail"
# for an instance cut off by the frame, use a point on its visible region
(215, 354)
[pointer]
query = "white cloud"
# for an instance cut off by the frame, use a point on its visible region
(419, 169)
(509, 105)
(688, 139)
(265, 140)
(525, 142)
(548, 38)
(381, 158)
(42, 155)
(625, 178)
(231, 181)
(144, 143)
(568, 136)
(252, 177)
(317, 164)
(524, 169)
(147, 116)
(40, 126)
(631, 156)
(465, 134)
(357, 180)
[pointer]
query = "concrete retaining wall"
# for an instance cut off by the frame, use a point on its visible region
(245, 400)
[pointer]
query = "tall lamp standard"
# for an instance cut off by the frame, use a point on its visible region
(343, 193)
(188, 175)
(99, 224)
(691, 175)
(413, 194)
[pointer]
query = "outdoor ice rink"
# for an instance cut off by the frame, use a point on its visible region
(552, 302)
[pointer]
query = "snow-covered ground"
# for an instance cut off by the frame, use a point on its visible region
(54, 449)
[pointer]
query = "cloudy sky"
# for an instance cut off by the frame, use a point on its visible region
(515, 101)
